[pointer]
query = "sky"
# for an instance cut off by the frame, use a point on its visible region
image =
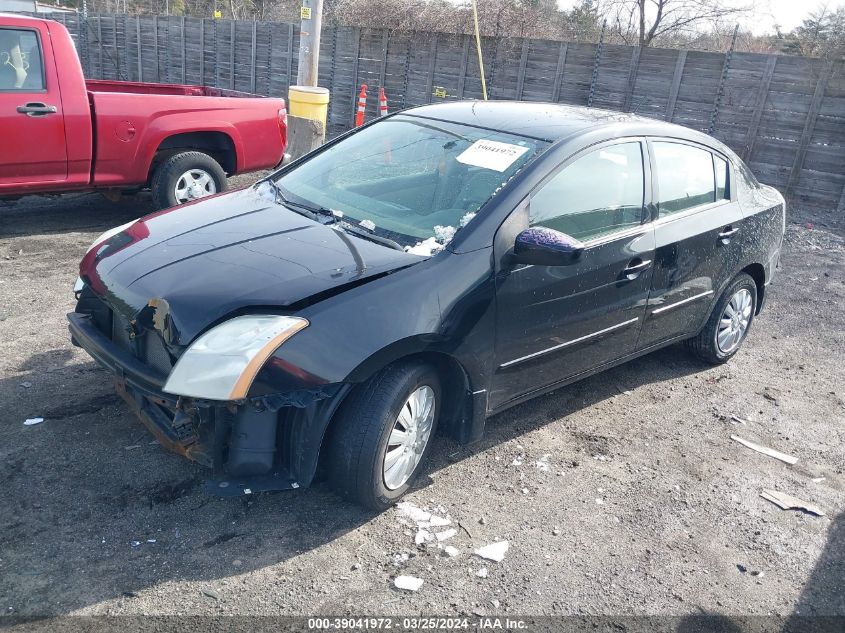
(787, 13)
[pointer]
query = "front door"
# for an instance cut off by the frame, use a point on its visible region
(697, 235)
(32, 132)
(555, 322)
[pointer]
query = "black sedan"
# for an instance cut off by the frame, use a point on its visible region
(417, 275)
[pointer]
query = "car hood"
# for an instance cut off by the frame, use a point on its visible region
(201, 262)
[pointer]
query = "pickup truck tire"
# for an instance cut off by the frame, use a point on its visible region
(383, 434)
(184, 177)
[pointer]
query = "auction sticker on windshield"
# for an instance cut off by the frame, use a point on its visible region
(491, 154)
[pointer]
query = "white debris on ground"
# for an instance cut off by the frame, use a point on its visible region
(408, 583)
(482, 573)
(542, 464)
(32, 421)
(451, 551)
(446, 534)
(495, 551)
(422, 536)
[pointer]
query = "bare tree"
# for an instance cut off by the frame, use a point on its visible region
(644, 21)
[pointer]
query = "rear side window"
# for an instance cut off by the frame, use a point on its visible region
(21, 65)
(596, 195)
(685, 176)
(722, 179)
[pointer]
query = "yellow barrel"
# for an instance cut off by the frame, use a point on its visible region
(309, 102)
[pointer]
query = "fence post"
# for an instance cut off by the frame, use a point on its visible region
(561, 65)
(138, 42)
(523, 61)
(355, 85)
(290, 54)
(762, 94)
(429, 82)
(676, 85)
(596, 66)
(809, 126)
(254, 54)
(632, 78)
(232, 54)
(722, 78)
(184, 49)
(463, 66)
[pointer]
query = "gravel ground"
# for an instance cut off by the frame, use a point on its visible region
(621, 494)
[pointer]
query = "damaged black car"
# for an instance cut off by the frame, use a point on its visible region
(416, 276)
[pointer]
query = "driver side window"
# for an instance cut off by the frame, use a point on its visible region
(596, 195)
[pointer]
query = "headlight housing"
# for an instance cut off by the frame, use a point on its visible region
(222, 363)
(110, 233)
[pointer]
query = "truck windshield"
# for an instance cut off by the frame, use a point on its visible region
(414, 181)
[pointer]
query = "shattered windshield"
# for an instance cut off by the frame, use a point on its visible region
(410, 180)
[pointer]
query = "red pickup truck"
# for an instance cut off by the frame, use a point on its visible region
(59, 132)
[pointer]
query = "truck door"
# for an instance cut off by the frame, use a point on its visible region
(33, 148)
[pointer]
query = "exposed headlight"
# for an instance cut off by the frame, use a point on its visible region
(110, 233)
(222, 363)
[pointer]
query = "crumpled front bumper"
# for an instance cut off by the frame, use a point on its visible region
(251, 446)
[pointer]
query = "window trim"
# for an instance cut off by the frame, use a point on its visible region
(44, 88)
(646, 217)
(665, 218)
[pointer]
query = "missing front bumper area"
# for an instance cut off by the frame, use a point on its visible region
(257, 445)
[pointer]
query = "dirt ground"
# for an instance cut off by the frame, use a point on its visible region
(622, 494)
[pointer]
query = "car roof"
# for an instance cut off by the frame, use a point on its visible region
(553, 122)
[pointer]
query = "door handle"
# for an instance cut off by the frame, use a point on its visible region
(634, 269)
(37, 109)
(727, 233)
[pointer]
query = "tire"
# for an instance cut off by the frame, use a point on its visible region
(361, 433)
(169, 173)
(706, 344)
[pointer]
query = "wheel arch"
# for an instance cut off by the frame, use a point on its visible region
(219, 145)
(758, 273)
(457, 413)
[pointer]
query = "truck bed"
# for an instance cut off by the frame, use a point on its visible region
(134, 87)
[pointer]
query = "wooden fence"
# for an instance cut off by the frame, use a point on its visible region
(784, 115)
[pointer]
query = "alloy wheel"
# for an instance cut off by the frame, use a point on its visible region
(734, 321)
(194, 184)
(409, 437)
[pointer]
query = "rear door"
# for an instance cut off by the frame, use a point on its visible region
(33, 147)
(697, 235)
(555, 322)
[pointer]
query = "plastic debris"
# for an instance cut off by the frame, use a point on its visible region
(482, 573)
(765, 450)
(788, 502)
(446, 534)
(408, 583)
(32, 421)
(151, 540)
(542, 464)
(495, 551)
(422, 536)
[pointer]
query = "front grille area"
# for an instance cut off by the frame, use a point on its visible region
(147, 346)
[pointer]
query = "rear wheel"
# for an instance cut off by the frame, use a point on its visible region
(185, 177)
(383, 434)
(728, 324)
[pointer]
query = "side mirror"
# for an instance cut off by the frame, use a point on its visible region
(546, 247)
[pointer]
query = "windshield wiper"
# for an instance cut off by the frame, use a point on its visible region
(361, 232)
(311, 211)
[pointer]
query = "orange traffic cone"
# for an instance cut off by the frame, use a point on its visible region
(362, 106)
(382, 102)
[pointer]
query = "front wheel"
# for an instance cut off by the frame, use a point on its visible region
(383, 434)
(728, 324)
(185, 177)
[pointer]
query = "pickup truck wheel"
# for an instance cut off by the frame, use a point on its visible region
(185, 177)
(384, 433)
